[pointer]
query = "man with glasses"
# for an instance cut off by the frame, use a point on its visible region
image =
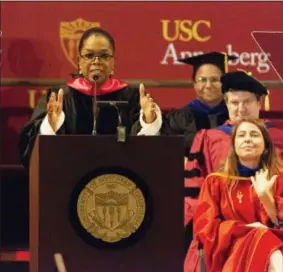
(208, 109)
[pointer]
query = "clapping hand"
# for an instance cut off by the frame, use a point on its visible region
(261, 183)
(148, 106)
(54, 108)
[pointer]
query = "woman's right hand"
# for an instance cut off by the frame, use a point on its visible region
(257, 225)
(261, 183)
(54, 108)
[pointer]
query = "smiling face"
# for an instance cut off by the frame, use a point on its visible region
(207, 84)
(249, 142)
(96, 57)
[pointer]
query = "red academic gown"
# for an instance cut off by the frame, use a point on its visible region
(209, 149)
(220, 226)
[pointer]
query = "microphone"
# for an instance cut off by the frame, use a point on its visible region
(118, 103)
(94, 104)
(96, 76)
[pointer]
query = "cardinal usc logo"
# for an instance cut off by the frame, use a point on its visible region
(70, 34)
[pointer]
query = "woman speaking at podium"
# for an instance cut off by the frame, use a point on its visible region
(73, 108)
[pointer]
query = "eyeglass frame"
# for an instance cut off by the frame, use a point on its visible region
(213, 80)
(96, 56)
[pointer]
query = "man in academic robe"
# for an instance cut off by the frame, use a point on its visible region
(208, 109)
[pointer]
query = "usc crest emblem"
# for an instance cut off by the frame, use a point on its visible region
(70, 34)
(111, 207)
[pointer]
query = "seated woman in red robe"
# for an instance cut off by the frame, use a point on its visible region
(240, 209)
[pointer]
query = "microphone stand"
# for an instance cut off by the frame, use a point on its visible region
(94, 106)
(121, 130)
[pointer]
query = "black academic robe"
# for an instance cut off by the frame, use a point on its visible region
(187, 121)
(79, 116)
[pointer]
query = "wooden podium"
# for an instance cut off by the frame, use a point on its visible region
(60, 163)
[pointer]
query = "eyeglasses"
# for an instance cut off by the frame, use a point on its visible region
(91, 57)
(204, 80)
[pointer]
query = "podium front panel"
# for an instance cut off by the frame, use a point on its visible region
(60, 163)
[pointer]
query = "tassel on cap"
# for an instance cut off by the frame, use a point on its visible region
(248, 73)
(267, 101)
(226, 68)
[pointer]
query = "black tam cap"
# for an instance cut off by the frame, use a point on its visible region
(216, 58)
(242, 81)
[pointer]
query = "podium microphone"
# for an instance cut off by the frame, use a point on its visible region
(94, 104)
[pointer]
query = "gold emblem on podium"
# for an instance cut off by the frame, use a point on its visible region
(111, 207)
(70, 34)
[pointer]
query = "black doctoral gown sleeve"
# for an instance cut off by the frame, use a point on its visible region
(131, 94)
(79, 117)
(181, 122)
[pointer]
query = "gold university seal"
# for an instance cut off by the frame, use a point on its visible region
(70, 35)
(111, 207)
